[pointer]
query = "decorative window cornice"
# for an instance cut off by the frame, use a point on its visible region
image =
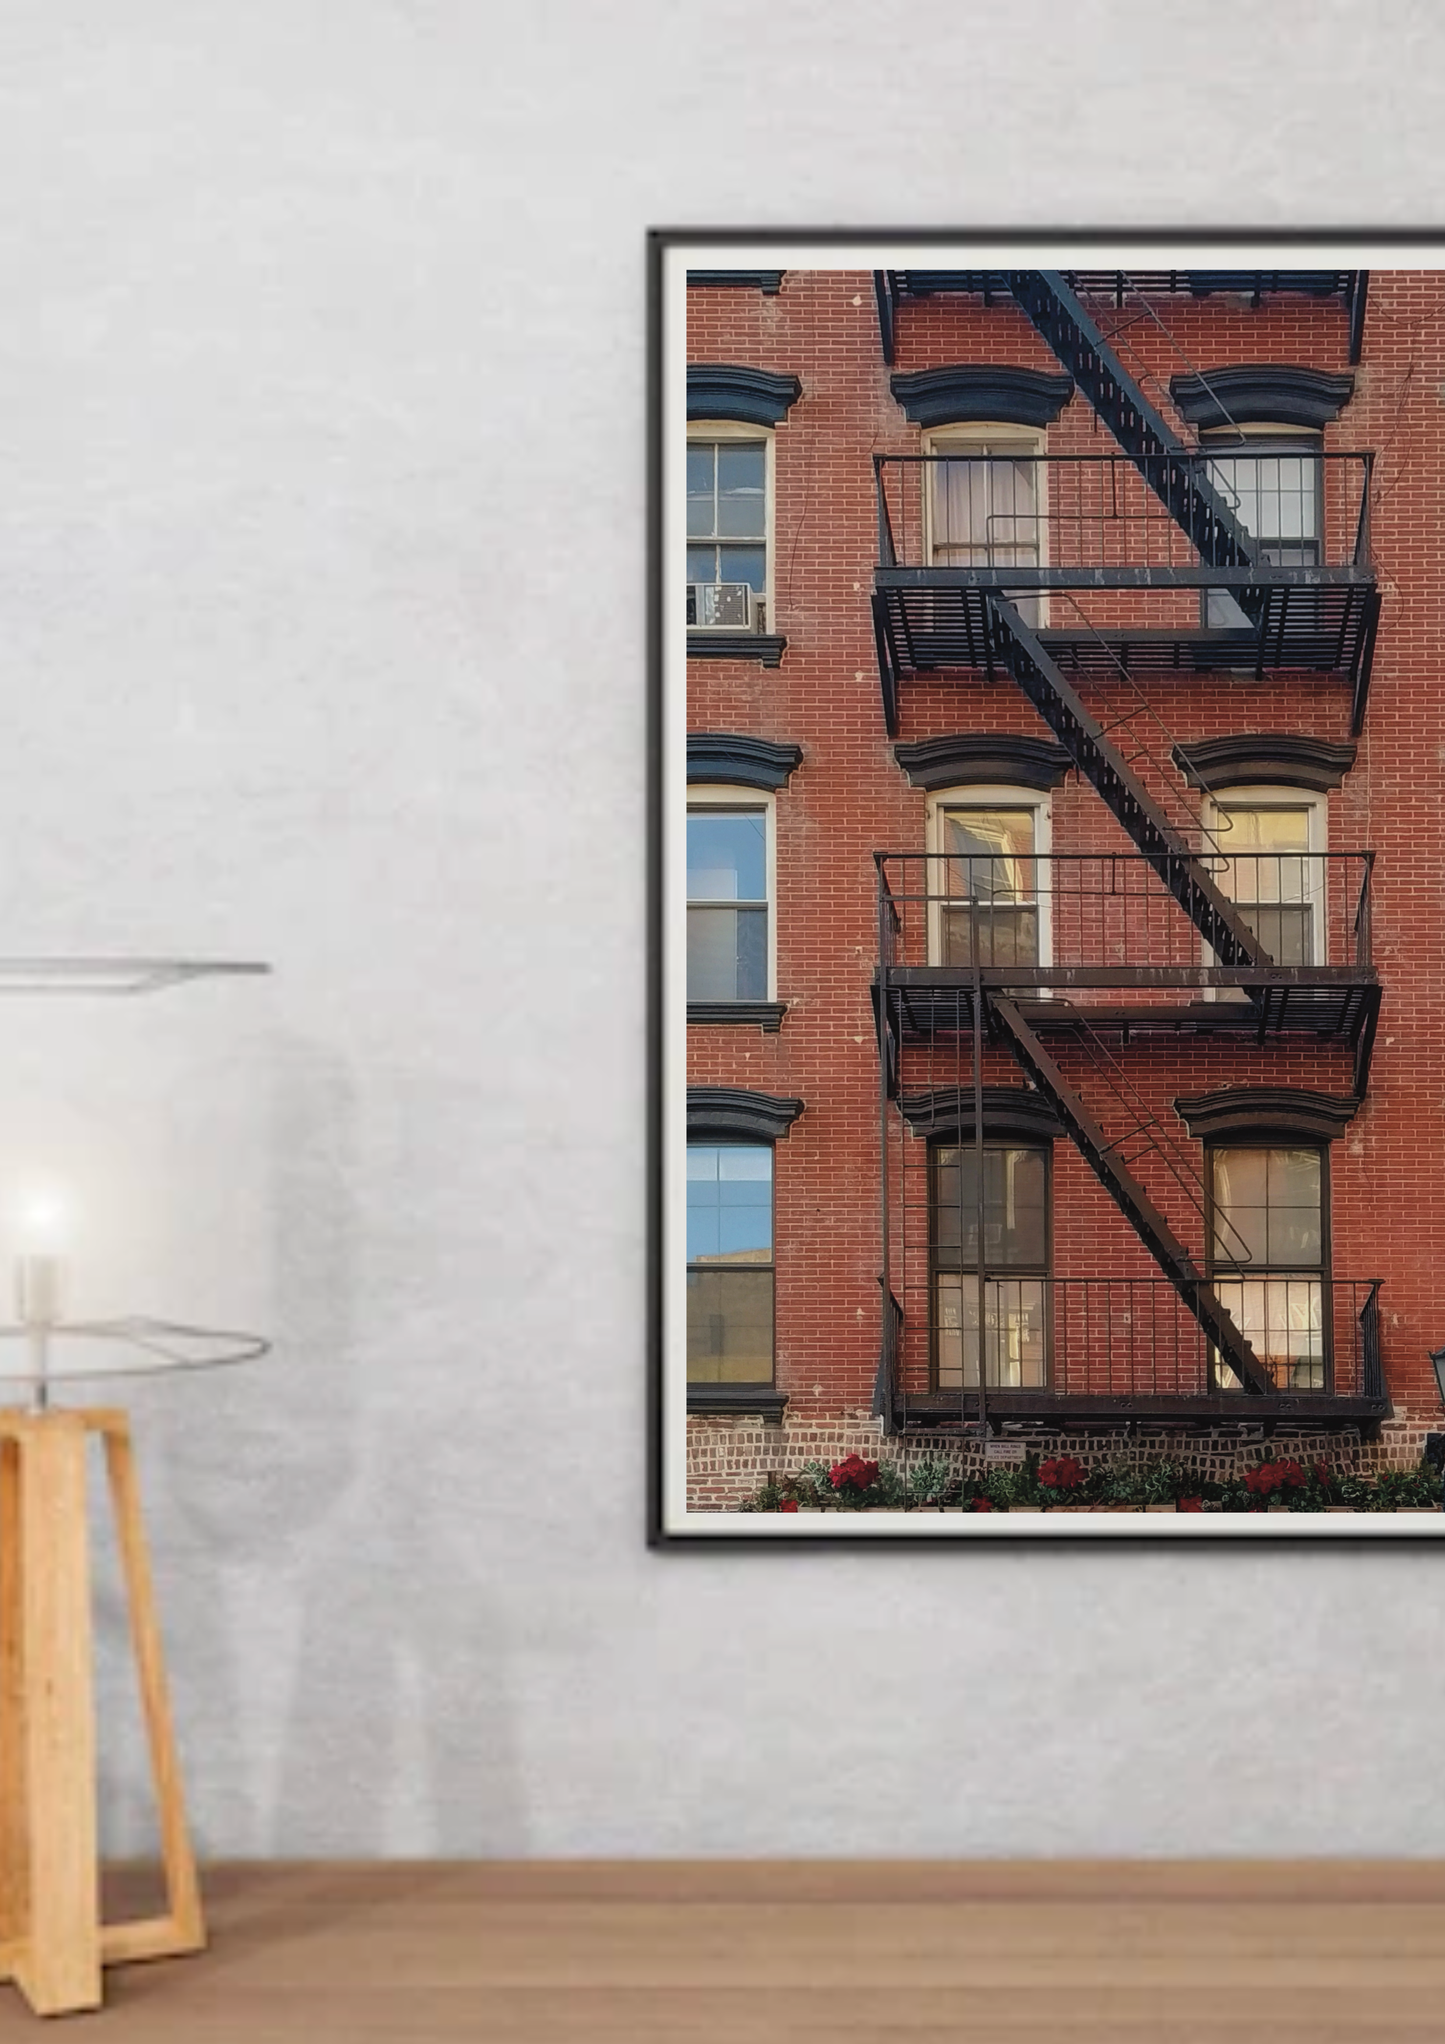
(1261, 393)
(719, 391)
(1016, 397)
(723, 1111)
(1283, 759)
(1010, 1114)
(730, 757)
(973, 756)
(1266, 1114)
(735, 1401)
(739, 1014)
(770, 282)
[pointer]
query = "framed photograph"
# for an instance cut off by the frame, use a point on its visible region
(1047, 635)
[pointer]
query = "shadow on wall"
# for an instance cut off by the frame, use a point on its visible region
(339, 1680)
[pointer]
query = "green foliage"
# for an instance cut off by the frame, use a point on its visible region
(933, 1480)
(1164, 1483)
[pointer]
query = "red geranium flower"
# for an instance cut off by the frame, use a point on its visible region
(1061, 1472)
(1273, 1476)
(788, 1505)
(855, 1471)
(982, 1505)
(1191, 1504)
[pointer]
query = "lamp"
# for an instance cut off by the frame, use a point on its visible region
(121, 1142)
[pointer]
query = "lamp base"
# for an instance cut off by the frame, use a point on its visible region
(52, 1942)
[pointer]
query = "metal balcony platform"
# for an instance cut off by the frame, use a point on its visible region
(1350, 287)
(936, 619)
(1052, 1413)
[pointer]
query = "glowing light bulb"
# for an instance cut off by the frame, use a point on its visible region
(42, 1232)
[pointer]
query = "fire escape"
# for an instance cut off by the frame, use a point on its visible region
(1148, 570)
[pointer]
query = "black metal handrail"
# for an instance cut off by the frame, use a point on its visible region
(1114, 1336)
(1047, 515)
(1038, 910)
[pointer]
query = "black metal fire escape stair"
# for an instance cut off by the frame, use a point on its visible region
(1105, 1160)
(1124, 794)
(1171, 469)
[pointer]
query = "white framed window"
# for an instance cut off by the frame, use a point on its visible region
(730, 1275)
(1271, 478)
(987, 504)
(1017, 1257)
(1267, 857)
(731, 889)
(729, 526)
(1269, 1257)
(989, 895)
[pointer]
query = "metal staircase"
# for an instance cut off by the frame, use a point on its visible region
(1105, 1159)
(1170, 468)
(1124, 794)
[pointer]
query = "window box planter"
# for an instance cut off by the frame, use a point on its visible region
(1417, 1508)
(1161, 1508)
(1026, 1508)
(1277, 1508)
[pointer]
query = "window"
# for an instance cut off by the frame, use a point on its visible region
(986, 505)
(728, 506)
(988, 906)
(729, 876)
(729, 1263)
(1273, 489)
(1269, 1258)
(1269, 842)
(1016, 1254)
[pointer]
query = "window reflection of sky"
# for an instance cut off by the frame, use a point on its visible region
(729, 1203)
(726, 857)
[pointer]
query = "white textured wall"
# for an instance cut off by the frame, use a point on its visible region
(321, 406)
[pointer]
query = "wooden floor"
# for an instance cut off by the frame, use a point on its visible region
(729, 1953)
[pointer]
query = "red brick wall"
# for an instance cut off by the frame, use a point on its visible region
(849, 797)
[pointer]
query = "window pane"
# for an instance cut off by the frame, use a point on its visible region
(700, 473)
(994, 850)
(741, 470)
(1240, 1185)
(1275, 829)
(981, 934)
(1282, 1318)
(726, 855)
(1274, 496)
(729, 1203)
(743, 564)
(727, 954)
(991, 867)
(730, 1327)
(1015, 1341)
(1015, 1208)
(1268, 1207)
(702, 564)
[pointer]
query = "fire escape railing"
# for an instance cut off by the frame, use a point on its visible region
(1110, 919)
(1083, 520)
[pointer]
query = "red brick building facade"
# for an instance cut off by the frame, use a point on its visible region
(963, 703)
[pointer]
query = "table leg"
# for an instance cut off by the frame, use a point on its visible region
(58, 1964)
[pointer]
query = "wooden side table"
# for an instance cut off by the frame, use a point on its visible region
(52, 1942)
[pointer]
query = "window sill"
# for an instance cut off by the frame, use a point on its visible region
(761, 1014)
(764, 646)
(734, 1400)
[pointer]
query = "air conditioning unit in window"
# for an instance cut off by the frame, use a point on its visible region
(720, 606)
